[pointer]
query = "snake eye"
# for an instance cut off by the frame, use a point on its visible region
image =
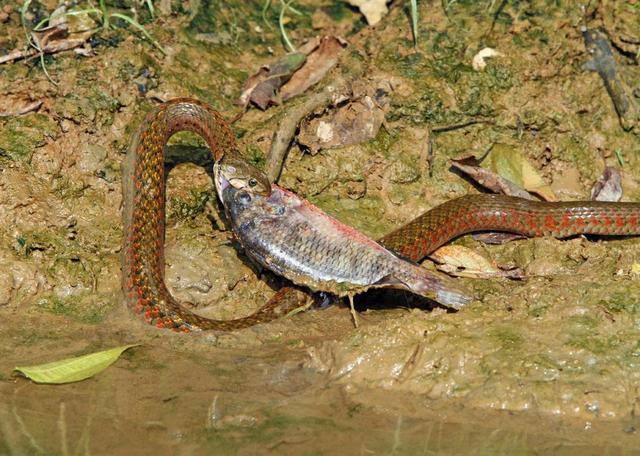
(244, 197)
(253, 182)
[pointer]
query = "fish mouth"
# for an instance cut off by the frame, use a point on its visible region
(220, 181)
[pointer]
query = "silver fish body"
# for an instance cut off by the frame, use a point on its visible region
(295, 239)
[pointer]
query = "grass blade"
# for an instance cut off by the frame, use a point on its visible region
(140, 28)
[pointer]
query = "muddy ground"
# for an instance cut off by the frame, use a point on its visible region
(551, 362)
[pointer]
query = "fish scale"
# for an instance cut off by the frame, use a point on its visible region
(295, 239)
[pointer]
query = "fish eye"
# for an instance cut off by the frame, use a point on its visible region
(253, 182)
(244, 197)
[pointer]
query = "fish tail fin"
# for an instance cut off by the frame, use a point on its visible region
(442, 289)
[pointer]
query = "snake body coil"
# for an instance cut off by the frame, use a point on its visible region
(144, 219)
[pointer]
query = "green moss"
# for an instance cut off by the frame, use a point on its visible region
(19, 136)
(539, 34)
(620, 302)
(232, 24)
(338, 11)
(97, 108)
(256, 156)
(507, 337)
(382, 143)
(593, 344)
(575, 149)
(86, 309)
(67, 188)
(584, 322)
(184, 209)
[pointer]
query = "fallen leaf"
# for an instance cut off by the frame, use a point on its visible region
(261, 88)
(50, 41)
(469, 165)
(509, 163)
(320, 60)
(10, 107)
(73, 369)
(479, 60)
(373, 10)
(608, 187)
(463, 262)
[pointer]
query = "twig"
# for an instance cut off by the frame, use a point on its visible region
(34, 106)
(603, 62)
(354, 314)
(51, 48)
(452, 127)
(288, 126)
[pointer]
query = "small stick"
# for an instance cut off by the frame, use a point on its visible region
(354, 314)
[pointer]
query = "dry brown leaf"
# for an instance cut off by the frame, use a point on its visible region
(10, 107)
(50, 40)
(496, 237)
(261, 88)
(469, 165)
(320, 60)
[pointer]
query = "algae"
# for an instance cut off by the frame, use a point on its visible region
(21, 135)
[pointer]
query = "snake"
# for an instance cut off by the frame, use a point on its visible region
(144, 189)
(143, 196)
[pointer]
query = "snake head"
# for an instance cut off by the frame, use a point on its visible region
(241, 175)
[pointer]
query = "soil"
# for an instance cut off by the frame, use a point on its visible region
(547, 363)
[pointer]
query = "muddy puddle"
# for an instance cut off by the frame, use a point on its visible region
(549, 363)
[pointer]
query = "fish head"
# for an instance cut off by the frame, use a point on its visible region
(241, 175)
(244, 207)
(239, 202)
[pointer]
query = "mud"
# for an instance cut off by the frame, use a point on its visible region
(549, 363)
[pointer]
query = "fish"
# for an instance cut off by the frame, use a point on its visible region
(297, 240)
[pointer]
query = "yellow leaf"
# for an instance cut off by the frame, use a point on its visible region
(464, 262)
(509, 163)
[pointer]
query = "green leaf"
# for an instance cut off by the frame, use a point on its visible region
(73, 369)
